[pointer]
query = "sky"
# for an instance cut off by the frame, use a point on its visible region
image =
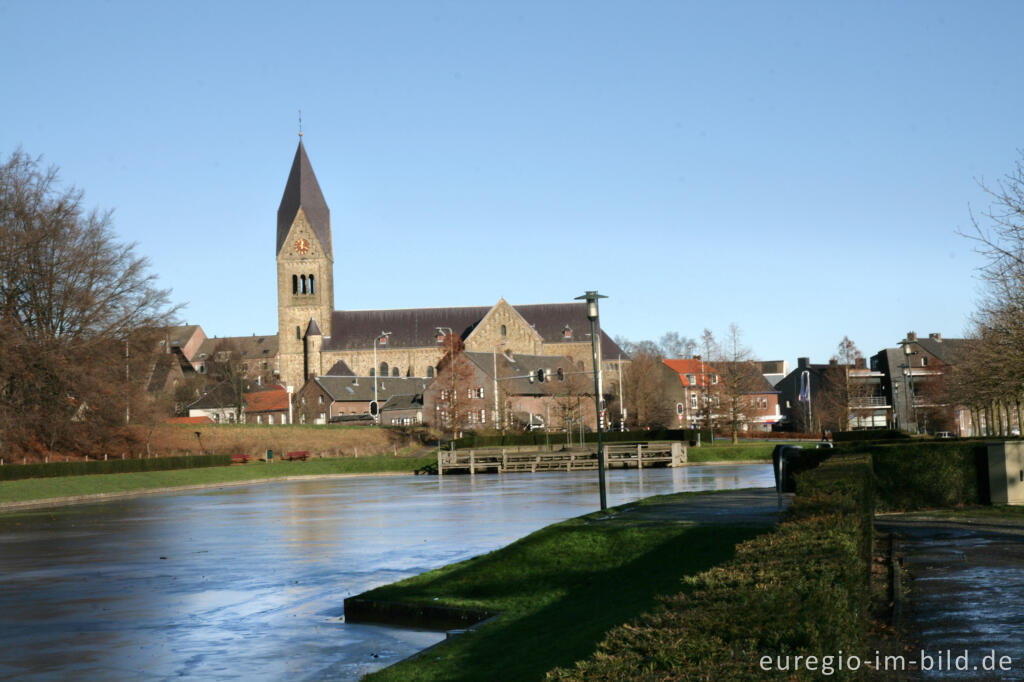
(798, 169)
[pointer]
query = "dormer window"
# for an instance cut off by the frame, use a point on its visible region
(567, 332)
(440, 338)
(382, 341)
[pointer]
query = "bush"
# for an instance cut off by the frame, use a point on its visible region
(869, 435)
(925, 474)
(112, 466)
(802, 590)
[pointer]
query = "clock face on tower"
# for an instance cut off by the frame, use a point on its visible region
(301, 246)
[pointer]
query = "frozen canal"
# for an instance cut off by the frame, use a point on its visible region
(248, 582)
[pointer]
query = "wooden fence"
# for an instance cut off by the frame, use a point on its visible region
(506, 460)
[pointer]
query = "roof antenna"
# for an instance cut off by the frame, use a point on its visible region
(300, 124)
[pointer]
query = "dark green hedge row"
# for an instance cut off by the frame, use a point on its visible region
(868, 435)
(472, 440)
(802, 590)
(111, 466)
(924, 474)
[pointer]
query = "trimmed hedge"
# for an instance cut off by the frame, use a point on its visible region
(924, 474)
(869, 435)
(802, 590)
(472, 440)
(110, 466)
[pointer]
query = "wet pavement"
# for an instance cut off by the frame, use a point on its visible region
(248, 582)
(965, 600)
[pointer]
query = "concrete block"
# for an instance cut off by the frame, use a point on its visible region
(1006, 472)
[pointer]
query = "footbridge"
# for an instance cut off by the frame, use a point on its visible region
(518, 459)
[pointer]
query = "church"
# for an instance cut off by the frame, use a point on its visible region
(314, 339)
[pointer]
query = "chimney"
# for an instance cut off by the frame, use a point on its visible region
(911, 336)
(935, 336)
(860, 363)
(803, 363)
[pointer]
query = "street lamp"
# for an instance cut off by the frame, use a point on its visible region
(497, 414)
(447, 334)
(591, 298)
(383, 338)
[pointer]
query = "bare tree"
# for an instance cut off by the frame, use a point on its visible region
(71, 294)
(645, 388)
(738, 378)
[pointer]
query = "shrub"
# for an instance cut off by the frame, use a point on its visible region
(802, 590)
(924, 474)
(112, 466)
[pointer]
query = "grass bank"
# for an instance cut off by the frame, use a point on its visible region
(72, 486)
(802, 590)
(558, 590)
(731, 453)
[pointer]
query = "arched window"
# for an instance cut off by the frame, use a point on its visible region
(312, 285)
(504, 331)
(298, 332)
(295, 284)
(383, 369)
(303, 280)
(394, 372)
(430, 372)
(373, 372)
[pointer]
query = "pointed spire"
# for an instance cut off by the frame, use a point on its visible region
(313, 329)
(303, 191)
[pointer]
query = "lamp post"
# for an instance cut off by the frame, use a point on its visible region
(383, 338)
(591, 297)
(497, 413)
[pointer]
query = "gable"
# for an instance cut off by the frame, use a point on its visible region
(504, 325)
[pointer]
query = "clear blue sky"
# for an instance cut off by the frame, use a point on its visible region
(798, 168)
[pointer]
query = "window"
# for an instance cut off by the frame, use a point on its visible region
(302, 281)
(483, 416)
(372, 372)
(566, 332)
(714, 378)
(693, 401)
(320, 399)
(430, 372)
(259, 419)
(924, 362)
(383, 369)
(245, 366)
(312, 285)
(480, 392)
(395, 372)
(270, 419)
(295, 284)
(504, 331)
(444, 394)
(691, 380)
(298, 332)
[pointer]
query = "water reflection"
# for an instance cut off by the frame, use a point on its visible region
(248, 582)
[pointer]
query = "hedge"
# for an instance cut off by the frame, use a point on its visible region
(111, 466)
(924, 474)
(802, 590)
(869, 435)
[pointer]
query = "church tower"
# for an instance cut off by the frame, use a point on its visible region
(305, 271)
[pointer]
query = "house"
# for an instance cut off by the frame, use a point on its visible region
(492, 391)
(812, 398)
(221, 403)
(349, 398)
(698, 380)
(269, 406)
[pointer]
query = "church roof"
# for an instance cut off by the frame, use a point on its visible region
(303, 191)
(417, 327)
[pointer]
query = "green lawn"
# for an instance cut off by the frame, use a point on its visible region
(730, 452)
(559, 590)
(69, 486)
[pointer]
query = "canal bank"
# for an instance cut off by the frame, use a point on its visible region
(249, 581)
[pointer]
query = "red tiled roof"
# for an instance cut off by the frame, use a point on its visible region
(702, 371)
(189, 420)
(266, 401)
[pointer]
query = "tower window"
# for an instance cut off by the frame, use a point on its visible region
(302, 279)
(312, 285)
(298, 332)
(295, 284)
(430, 372)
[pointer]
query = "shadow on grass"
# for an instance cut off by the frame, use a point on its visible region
(560, 590)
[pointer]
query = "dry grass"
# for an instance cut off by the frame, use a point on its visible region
(254, 439)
